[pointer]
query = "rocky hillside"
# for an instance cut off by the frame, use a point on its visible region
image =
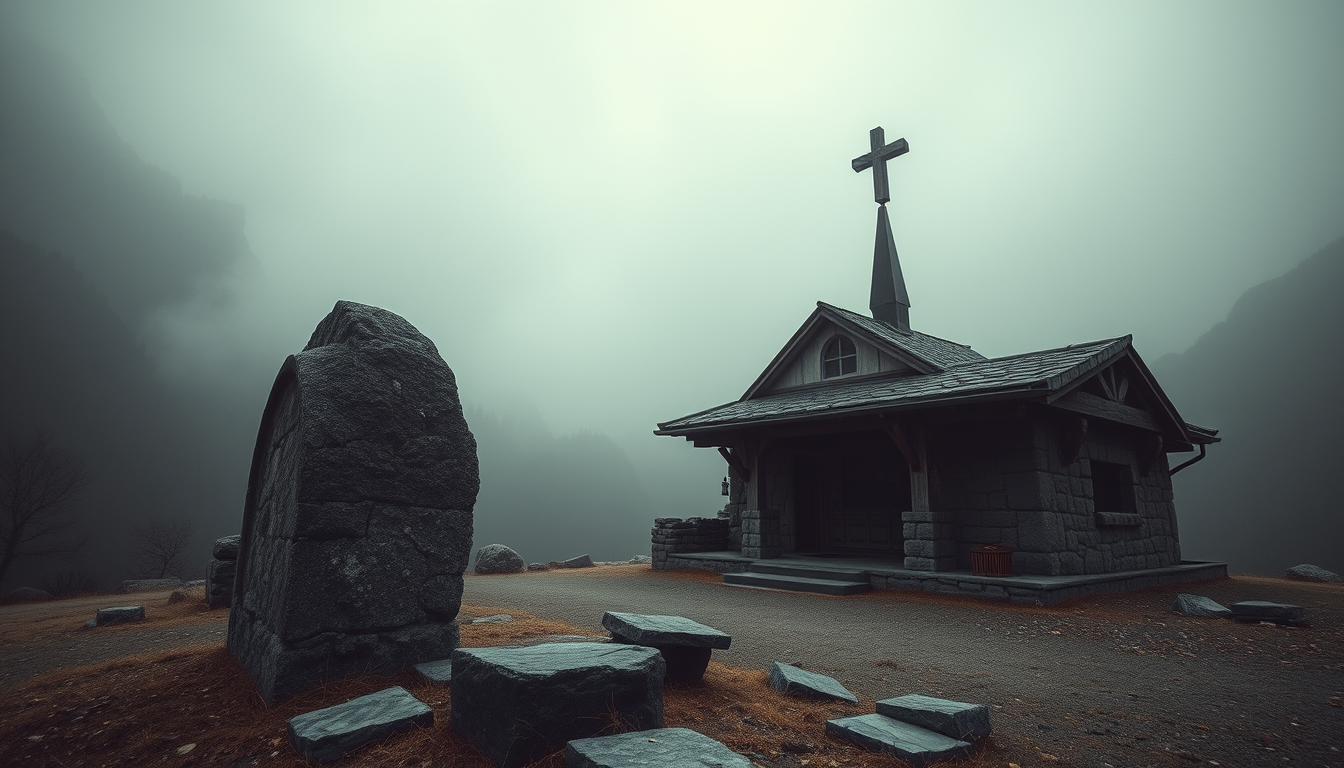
(1271, 495)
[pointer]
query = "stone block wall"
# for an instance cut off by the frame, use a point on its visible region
(220, 576)
(1009, 482)
(672, 535)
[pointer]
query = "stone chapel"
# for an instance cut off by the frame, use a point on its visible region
(866, 437)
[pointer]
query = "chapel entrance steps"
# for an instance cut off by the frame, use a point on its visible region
(798, 578)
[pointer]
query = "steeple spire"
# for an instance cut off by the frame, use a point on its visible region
(888, 300)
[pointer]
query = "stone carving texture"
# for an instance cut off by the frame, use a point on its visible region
(357, 524)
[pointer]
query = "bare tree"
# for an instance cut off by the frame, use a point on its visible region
(160, 546)
(71, 582)
(38, 483)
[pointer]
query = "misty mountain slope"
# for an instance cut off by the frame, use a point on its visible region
(554, 498)
(1269, 377)
(69, 182)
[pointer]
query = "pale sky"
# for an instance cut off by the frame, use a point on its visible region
(620, 211)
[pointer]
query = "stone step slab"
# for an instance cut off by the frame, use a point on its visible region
(653, 630)
(440, 671)
(1195, 605)
(120, 615)
(1262, 610)
(918, 746)
(954, 719)
(327, 734)
(517, 704)
(796, 583)
(657, 748)
(796, 681)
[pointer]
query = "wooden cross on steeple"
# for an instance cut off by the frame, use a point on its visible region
(877, 160)
(888, 299)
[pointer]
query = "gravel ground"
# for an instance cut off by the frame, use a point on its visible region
(1111, 681)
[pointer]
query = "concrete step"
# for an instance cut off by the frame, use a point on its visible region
(809, 572)
(796, 583)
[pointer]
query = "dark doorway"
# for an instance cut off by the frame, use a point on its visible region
(849, 492)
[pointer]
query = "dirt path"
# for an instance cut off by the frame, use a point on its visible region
(1117, 681)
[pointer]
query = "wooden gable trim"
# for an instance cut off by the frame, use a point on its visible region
(1067, 397)
(891, 349)
(783, 355)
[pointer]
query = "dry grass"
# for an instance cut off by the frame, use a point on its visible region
(43, 621)
(198, 707)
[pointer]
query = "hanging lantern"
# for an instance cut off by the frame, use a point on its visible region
(725, 486)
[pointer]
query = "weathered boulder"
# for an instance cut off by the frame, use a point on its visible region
(661, 747)
(440, 671)
(686, 645)
(178, 596)
(1314, 573)
(357, 520)
(120, 615)
(497, 558)
(1262, 610)
(955, 719)
(538, 567)
(582, 561)
(795, 681)
(25, 595)
(519, 703)
(219, 583)
(916, 745)
(1195, 605)
(327, 734)
(148, 585)
(226, 548)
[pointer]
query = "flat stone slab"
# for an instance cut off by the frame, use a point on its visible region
(498, 617)
(325, 735)
(1195, 605)
(880, 733)
(582, 561)
(1262, 610)
(148, 585)
(795, 681)
(519, 703)
(653, 630)
(1308, 572)
(440, 671)
(121, 615)
(954, 719)
(658, 748)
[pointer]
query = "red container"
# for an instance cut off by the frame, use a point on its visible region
(992, 560)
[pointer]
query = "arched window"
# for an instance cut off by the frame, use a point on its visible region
(838, 357)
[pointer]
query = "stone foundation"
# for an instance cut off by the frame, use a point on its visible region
(672, 535)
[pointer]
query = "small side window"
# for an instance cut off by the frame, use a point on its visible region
(839, 357)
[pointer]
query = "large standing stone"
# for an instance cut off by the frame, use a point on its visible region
(955, 719)
(519, 703)
(357, 521)
(1307, 572)
(497, 558)
(685, 644)
(1197, 605)
(661, 747)
(327, 734)
(795, 681)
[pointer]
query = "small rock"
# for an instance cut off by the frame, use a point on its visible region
(661, 747)
(498, 617)
(194, 583)
(227, 547)
(121, 615)
(954, 719)
(1195, 605)
(148, 585)
(582, 561)
(178, 596)
(538, 567)
(640, 560)
(440, 671)
(1261, 610)
(789, 679)
(1314, 573)
(26, 595)
(497, 558)
(327, 734)
(185, 748)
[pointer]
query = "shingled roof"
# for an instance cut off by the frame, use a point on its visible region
(939, 354)
(1033, 373)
